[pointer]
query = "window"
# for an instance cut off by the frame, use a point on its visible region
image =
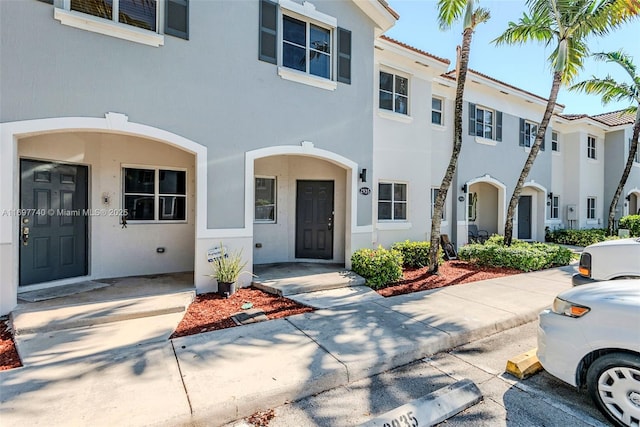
(434, 196)
(301, 40)
(555, 207)
(265, 200)
(485, 123)
(155, 194)
(125, 19)
(436, 111)
(637, 156)
(530, 131)
(392, 201)
(394, 93)
(591, 208)
(472, 207)
(591, 147)
(554, 141)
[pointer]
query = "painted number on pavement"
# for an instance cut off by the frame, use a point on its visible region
(405, 420)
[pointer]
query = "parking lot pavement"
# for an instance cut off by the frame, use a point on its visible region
(539, 400)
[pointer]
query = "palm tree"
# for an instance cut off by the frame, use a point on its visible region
(610, 90)
(449, 11)
(565, 24)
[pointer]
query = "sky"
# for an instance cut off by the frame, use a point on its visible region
(524, 66)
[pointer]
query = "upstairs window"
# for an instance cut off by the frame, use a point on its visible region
(485, 123)
(637, 156)
(591, 147)
(301, 41)
(436, 111)
(394, 93)
(392, 201)
(530, 131)
(138, 13)
(554, 142)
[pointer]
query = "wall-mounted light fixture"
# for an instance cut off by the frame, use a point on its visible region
(628, 198)
(464, 189)
(550, 196)
(363, 175)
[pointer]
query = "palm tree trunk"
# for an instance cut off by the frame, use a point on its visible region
(528, 164)
(625, 174)
(436, 220)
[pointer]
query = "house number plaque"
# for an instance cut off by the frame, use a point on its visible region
(365, 191)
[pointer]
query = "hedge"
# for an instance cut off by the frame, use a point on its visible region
(414, 254)
(584, 237)
(631, 223)
(378, 266)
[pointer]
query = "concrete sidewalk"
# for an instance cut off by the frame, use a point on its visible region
(216, 377)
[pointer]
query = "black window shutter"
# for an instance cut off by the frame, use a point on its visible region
(472, 119)
(498, 125)
(522, 132)
(177, 18)
(344, 56)
(268, 30)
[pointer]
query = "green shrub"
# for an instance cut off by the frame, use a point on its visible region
(632, 223)
(520, 255)
(584, 237)
(379, 267)
(414, 254)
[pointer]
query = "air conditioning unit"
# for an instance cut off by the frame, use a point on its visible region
(572, 212)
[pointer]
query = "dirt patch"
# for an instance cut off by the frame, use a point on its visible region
(8, 354)
(449, 273)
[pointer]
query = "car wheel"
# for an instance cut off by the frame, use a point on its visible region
(613, 381)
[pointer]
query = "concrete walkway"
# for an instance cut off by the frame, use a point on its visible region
(216, 377)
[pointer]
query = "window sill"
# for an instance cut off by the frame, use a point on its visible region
(438, 127)
(264, 222)
(592, 222)
(108, 28)
(298, 77)
(593, 161)
(486, 141)
(402, 118)
(153, 222)
(556, 153)
(394, 225)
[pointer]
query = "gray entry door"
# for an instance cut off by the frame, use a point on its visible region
(524, 217)
(314, 219)
(53, 231)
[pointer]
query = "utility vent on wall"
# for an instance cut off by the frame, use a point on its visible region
(572, 212)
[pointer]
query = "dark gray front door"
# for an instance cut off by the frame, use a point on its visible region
(314, 220)
(53, 231)
(524, 217)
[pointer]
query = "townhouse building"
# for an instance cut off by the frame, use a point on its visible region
(137, 136)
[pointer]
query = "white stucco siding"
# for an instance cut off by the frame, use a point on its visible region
(113, 250)
(278, 239)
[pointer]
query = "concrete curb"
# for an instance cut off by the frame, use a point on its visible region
(433, 408)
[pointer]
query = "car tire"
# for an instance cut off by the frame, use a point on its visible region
(613, 381)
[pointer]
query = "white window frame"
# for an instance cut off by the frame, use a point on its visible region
(395, 75)
(554, 212)
(433, 203)
(591, 207)
(307, 13)
(111, 27)
(275, 200)
(592, 143)
(530, 132)
(441, 110)
(156, 194)
(472, 207)
(555, 142)
(394, 202)
(492, 124)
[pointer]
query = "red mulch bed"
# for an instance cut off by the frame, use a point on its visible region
(449, 273)
(210, 312)
(9, 358)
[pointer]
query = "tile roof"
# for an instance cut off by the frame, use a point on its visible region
(414, 49)
(614, 118)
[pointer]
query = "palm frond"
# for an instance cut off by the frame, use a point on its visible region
(620, 58)
(528, 28)
(603, 16)
(449, 11)
(607, 88)
(480, 16)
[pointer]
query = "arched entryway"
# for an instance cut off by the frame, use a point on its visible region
(632, 202)
(531, 211)
(485, 207)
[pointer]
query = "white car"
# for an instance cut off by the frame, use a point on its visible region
(591, 338)
(611, 259)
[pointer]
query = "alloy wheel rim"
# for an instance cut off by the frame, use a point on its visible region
(619, 390)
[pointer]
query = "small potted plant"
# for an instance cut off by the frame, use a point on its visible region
(227, 267)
